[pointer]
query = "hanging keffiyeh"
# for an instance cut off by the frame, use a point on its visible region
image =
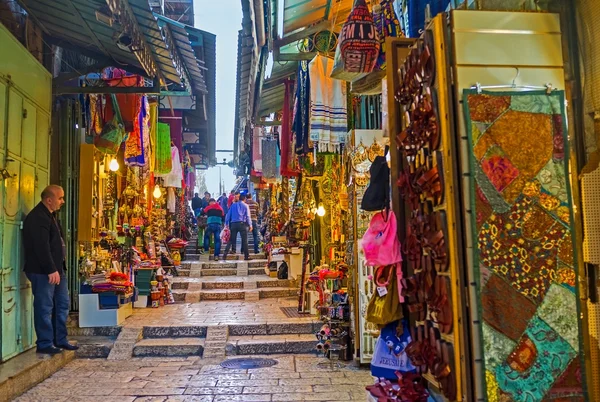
(328, 112)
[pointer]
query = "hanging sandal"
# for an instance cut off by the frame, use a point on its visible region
(441, 307)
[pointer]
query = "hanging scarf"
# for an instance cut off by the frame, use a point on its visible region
(153, 123)
(286, 134)
(301, 109)
(162, 154)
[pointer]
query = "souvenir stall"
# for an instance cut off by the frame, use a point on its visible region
(503, 153)
(128, 174)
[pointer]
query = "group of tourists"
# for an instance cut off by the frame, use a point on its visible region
(238, 213)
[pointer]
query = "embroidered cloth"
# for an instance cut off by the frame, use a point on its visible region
(328, 111)
(523, 232)
(162, 155)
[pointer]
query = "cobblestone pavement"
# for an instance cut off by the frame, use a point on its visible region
(294, 378)
(265, 311)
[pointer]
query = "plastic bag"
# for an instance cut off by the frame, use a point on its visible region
(225, 235)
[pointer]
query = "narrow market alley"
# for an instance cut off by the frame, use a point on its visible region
(224, 311)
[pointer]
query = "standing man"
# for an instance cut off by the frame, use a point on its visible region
(238, 219)
(253, 207)
(45, 267)
(196, 204)
(205, 201)
(215, 215)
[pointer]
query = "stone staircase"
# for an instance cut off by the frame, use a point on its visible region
(255, 287)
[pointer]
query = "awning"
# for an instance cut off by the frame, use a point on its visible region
(177, 35)
(273, 89)
(95, 26)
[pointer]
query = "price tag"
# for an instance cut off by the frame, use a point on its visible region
(382, 291)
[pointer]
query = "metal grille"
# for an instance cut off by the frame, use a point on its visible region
(248, 363)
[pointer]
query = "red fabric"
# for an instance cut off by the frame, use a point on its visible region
(230, 201)
(286, 132)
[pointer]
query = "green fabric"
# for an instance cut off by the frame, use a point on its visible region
(163, 149)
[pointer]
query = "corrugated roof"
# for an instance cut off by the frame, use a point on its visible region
(181, 41)
(74, 22)
(299, 14)
(273, 90)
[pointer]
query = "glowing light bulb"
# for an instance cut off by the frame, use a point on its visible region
(157, 193)
(321, 210)
(114, 165)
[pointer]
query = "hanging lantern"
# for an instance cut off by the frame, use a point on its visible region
(358, 42)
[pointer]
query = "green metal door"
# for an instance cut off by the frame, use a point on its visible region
(25, 99)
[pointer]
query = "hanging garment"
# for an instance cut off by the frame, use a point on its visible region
(270, 155)
(137, 144)
(171, 200)
(328, 111)
(386, 24)
(162, 155)
(174, 178)
(286, 134)
(153, 124)
(300, 126)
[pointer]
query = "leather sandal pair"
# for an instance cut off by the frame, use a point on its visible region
(435, 240)
(441, 305)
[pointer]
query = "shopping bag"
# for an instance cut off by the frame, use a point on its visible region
(389, 355)
(113, 133)
(225, 235)
(384, 306)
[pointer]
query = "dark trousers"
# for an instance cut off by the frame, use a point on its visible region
(242, 229)
(213, 229)
(50, 310)
(255, 235)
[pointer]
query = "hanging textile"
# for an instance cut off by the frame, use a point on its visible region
(270, 155)
(175, 176)
(387, 25)
(287, 157)
(153, 123)
(524, 245)
(300, 126)
(171, 200)
(257, 137)
(162, 155)
(328, 111)
(137, 145)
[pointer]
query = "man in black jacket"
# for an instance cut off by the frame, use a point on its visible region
(45, 253)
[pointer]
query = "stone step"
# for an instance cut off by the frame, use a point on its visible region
(289, 328)
(259, 256)
(231, 294)
(169, 347)
(229, 271)
(271, 344)
(234, 264)
(182, 331)
(237, 282)
(93, 347)
(28, 369)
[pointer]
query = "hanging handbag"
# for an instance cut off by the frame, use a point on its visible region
(113, 133)
(376, 196)
(389, 355)
(387, 25)
(384, 306)
(380, 242)
(358, 41)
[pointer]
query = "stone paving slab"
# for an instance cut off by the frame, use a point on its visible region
(169, 347)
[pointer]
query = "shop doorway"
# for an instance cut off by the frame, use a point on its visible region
(24, 161)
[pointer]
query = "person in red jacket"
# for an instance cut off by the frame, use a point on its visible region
(214, 220)
(233, 197)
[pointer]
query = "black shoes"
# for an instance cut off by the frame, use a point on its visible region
(68, 346)
(51, 350)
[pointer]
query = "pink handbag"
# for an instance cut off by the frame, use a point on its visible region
(380, 242)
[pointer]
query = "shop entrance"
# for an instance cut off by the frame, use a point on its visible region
(24, 161)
